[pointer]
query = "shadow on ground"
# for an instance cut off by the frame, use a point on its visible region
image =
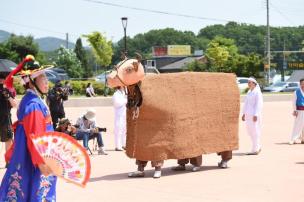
(149, 173)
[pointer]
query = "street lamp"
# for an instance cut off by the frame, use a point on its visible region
(124, 21)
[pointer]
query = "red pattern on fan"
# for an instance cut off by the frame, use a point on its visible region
(65, 156)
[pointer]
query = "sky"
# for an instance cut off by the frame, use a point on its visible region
(42, 18)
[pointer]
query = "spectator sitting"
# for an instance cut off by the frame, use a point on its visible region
(87, 130)
(90, 90)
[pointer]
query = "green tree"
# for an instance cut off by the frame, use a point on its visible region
(218, 55)
(82, 57)
(6, 53)
(69, 61)
(102, 48)
(22, 45)
(196, 66)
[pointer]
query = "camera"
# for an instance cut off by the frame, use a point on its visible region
(102, 129)
(62, 92)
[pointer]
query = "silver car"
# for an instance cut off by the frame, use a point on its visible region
(282, 87)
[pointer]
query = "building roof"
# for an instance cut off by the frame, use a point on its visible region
(296, 76)
(178, 65)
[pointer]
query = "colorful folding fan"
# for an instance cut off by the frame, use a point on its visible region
(65, 156)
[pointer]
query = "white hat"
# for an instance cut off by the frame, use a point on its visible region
(252, 79)
(90, 114)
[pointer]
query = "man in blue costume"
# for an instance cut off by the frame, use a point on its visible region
(28, 178)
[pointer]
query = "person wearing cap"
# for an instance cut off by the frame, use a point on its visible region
(120, 101)
(252, 112)
(55, 100)
(7, 102)
(27, 177)
(298, 113)
(87, 130)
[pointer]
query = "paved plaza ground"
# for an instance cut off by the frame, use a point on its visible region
(276, 175)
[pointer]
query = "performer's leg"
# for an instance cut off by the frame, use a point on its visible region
(141, 165)
(124, 134)
(157, 165)
(250, 130)
(117, 129)
(196, 162)
(302, 137)
(181, 164)
(257, 136)
(226, 156)
(140, 169)
(297, 127)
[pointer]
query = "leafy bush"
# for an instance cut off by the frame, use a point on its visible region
(79, 87)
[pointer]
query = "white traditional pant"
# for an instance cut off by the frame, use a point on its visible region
(254, 131)
(120, 130)
(298, 126)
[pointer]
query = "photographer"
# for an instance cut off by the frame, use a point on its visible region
(55, 100)
(87, 130)
(65, 126)
(7, 101)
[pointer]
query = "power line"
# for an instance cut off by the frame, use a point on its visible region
(281, 13)
(157, 11)
(31, 27)
(35, 28)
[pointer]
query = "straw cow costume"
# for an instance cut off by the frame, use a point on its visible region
(177, 115)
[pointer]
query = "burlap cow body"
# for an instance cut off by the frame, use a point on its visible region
(182, 115)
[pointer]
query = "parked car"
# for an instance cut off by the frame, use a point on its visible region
(102, 77)
(52, 76)
(61, 73)
(282, 87)
(278, 78)
(242, 83)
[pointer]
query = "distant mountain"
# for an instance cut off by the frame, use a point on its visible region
(45, 43)
(4, 35)
(52, 43)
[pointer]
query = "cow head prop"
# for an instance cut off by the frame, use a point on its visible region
(126, 73)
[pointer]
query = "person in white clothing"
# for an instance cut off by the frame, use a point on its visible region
(298, 113)
(90, 90)
(252, 115)
(120, 101)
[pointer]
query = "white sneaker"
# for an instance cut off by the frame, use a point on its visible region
(298, 141)
(291, 142)
(196, 168)
(223, 164)
(157, 174)
(101, 151)
(136, 174)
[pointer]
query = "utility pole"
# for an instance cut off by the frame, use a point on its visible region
(284, 64)
(67, 40)
(268, 45)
